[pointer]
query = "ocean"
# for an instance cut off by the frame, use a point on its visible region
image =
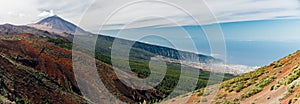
(251, 43)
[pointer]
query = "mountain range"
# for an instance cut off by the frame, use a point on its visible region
(66, 29)
(37, 65)
(8, 29)
(56, 27)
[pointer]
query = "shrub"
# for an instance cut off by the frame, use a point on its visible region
(239, 83)
(204, 100)
(272, 87)
(297, 95)
(268, 97)
(278, 65)
(258, 88)
(63, 43)
(251, 92)
(200, 93)
(265, 81)
(295, 74)
(230, 90)
(221, 96)
(249, 83)
(291, 88)
(275, 87)
(239, 87)
(292, 100)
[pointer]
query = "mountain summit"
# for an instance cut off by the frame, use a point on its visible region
(57, 25)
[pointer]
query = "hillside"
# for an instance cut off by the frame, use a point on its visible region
(49, 54)
(35, 70)
(38, 69)
(30, 75)
(57, 25)
(8, 29)
(273, 84)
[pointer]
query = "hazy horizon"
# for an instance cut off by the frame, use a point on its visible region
(254, 43)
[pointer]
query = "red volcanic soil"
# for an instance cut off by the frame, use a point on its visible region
(36, 71)
(29, 75)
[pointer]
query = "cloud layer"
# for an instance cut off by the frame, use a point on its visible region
(89, 13)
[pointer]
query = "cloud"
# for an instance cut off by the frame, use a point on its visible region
(46, 13)
(16, 12)
(32, 10)
(68, 9)
(99, 10)
(244, 10)
(223, 10)
(16, 15)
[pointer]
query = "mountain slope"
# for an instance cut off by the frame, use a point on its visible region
(273, 84)
(104, 44)
(8, 29)
(35, 70)
(44, 56)
(52, 56)
(29, 77)
(58, 25)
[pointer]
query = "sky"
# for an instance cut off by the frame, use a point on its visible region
(252, 43)
(91, 14)
(243, 22)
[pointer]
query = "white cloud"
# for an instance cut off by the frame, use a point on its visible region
(32, 10)
(242, 10)
(17, 12)
(16, 15)
(46, 13)
(223, 10)
(73, 10)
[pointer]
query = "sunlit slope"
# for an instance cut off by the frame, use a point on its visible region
(273, 84)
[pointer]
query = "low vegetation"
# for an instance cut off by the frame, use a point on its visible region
(63, 43)
(139, 63)
(278, 65)
(258, 87)
(275, 87)
(295, 74)
(254, 87)
(293, 100)
(243, 81)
